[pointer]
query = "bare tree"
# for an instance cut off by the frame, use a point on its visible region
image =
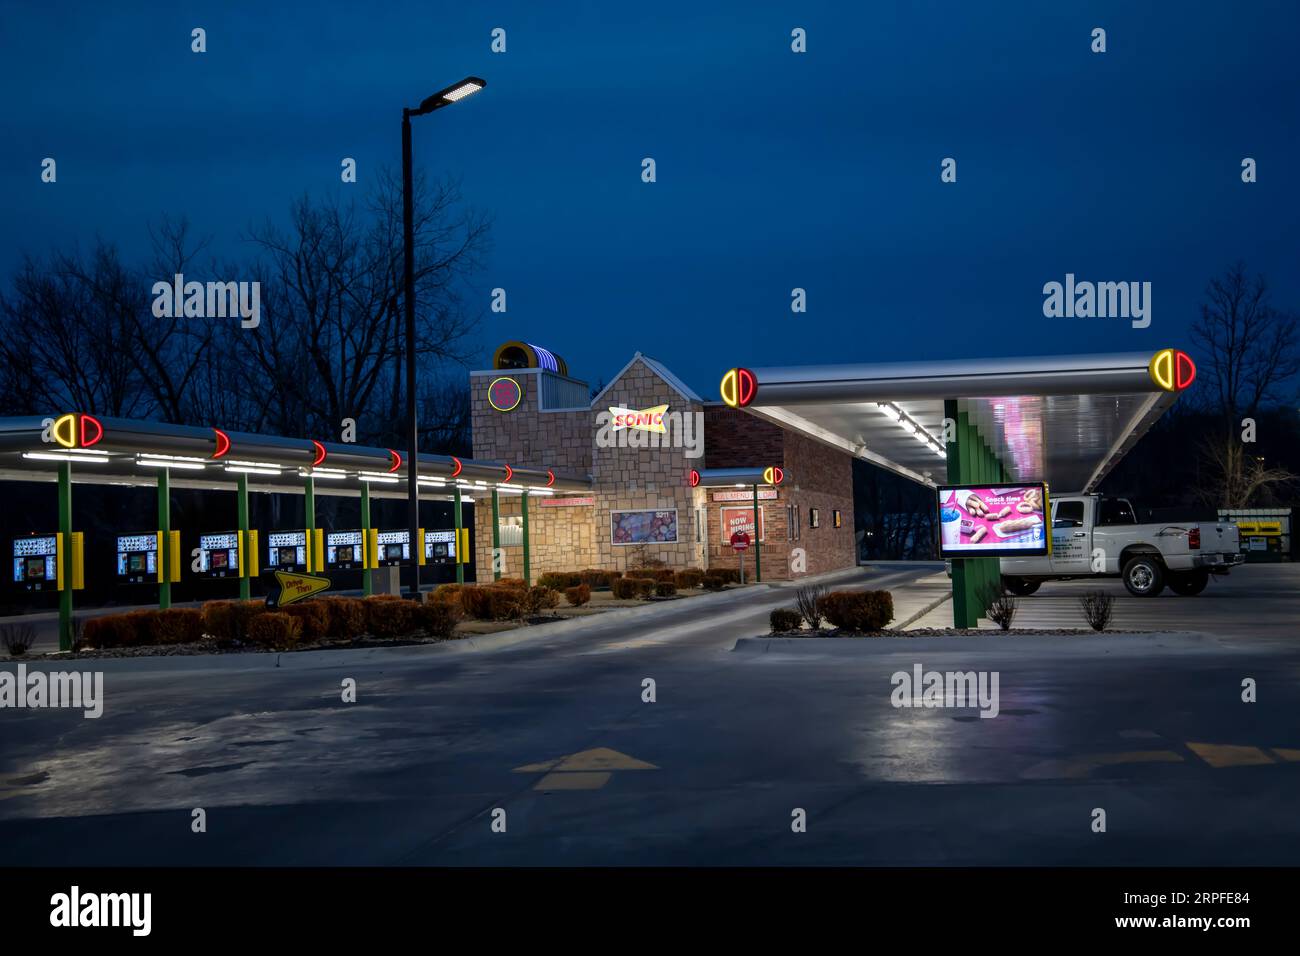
(1248, 348)
(1237, 479)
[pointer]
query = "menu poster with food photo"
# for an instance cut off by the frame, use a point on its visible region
(990, 521)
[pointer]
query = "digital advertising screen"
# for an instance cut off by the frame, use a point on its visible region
(286, 549)
(643, 527)
(219, 554)
(394, 547)
(343, 549)
(137, 557)
(440, 547)
(36, 561)
(984, 521)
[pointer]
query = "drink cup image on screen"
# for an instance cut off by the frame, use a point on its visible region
(950, 520)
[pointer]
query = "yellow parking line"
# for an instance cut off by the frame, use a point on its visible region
(1229, 755)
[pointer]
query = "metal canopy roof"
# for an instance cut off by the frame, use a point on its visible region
(129, 452)
(1066, 420)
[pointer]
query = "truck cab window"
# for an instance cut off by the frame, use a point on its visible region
(1067, 514)
(1115, 511)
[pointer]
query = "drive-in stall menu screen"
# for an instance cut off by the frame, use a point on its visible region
(219, 554)
(440, 546)
(286, 550)
(394, 547)
(35, 561)
(343, 549)
(137, 557)
(984, 521)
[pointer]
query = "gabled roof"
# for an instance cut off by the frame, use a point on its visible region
(671, 380)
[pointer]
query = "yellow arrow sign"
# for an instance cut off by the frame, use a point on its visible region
(295, 587)
(585, 770)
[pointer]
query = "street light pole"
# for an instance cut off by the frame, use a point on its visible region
(452, 94)
(408, 293)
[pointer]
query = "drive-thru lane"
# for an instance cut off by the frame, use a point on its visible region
(555, 733)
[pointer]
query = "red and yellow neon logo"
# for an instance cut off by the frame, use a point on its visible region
(1172, 370)
(773, 475)
(693, 478)
(739, 386)
(73, 430)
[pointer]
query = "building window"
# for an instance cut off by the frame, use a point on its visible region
(814, 518)
(835, 517)
(792, 522)
(511, 530)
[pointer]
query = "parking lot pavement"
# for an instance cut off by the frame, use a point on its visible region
(1255, 602)
(558, 734)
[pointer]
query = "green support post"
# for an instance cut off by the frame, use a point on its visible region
(309, 518)
(758, 559)
(528, 579)
(496, 535)
(65, 555)
(367, 575)
(164, 543)
(460, 564)
(245, 582)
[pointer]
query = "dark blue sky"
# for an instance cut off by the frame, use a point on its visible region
(775, 170)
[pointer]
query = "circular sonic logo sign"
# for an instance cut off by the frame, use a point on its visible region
(504, 394)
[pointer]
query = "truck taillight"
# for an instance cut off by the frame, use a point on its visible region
(1194, 538)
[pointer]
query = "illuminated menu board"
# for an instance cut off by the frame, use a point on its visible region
(137, 557)
(394, 547)
(440, 546)
(219, 554)
(343, 549)
(36, 561)
(286, 549)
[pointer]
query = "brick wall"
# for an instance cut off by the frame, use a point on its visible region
(737, 439)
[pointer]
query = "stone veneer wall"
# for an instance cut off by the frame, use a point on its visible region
(526, 436)
(652, 479)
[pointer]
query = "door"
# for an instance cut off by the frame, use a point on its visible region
(1070, 524)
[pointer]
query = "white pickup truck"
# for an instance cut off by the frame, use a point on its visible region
(1095, 536)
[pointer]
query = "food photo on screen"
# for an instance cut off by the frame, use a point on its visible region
(999, 518)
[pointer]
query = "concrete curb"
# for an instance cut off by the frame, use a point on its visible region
(867, 646)
(902, 626)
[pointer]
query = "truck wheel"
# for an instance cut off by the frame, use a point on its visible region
(1144, 576)
(1021, 587)
(1189, 583)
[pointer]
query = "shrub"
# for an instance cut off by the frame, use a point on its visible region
(858, 610)
(665, 589)
(218, 621)
(243, 614)
(476, 602)
(714, 582)
(535, 600)
(437, 618)
(1001, 606)
(578, 596)
(18, 638)
(559, 580)
(624, 588)
(448, 593)
(174, 625)
(784, 620)
(641, 574)
(690, 578)
(388, 615)
(505, 604)
(595, 578)
(517, 583)
(347, 616)
(805, 601)
(274, 629)
(314, 616)
(645, 587)
(666, 574)
(730, 575)
(1098, 607)
(116, 630)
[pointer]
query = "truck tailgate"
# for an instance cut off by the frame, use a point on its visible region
(1219, 538)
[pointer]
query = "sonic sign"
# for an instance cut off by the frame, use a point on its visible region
(1172, 370)
(646, 420)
